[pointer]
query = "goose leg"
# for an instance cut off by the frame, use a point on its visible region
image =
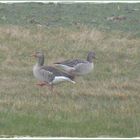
(51, 88)
(41, 84)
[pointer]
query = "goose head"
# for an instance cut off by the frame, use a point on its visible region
(91, 56)
(40, 57)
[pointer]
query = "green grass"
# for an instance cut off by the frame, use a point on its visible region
(102, 103)
(56, 15)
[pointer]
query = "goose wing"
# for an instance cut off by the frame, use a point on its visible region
(47, 74)
(53, 72)
(71, 63)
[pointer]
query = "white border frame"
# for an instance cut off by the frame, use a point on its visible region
(66, 2)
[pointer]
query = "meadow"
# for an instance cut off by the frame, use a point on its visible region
(104, 103)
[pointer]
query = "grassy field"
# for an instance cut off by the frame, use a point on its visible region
(104, 103)
(67, 15)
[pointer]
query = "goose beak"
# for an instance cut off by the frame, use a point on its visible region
(34, 55)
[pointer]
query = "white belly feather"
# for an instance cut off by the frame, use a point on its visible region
(59, 79)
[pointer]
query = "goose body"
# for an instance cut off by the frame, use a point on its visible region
(77, 66)
(48, 74)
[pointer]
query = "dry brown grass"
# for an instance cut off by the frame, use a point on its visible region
(110, 93)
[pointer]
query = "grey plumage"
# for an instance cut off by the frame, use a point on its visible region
(71, 63)
(77, 66)
(56, 72)
(49, 74)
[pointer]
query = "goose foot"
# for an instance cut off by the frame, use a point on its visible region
(41, 84)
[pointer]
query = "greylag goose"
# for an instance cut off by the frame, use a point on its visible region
(48, 75)
(77, 67)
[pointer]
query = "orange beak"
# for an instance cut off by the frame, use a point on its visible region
(34, 55)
